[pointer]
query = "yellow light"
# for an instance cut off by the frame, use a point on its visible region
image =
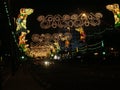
(112, 49)
(71, 20)
(76, 49)
(84, 14)
(46, 63)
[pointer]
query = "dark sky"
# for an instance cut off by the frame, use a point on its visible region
(60, 6)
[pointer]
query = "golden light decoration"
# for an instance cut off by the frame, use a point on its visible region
(82, 33)
(68, 36)
(74, 20)
(43, 45)
(35, 37)
(116, 11)
(22, 28)
(22, 18)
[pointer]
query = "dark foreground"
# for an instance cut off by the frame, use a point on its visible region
(63, 76)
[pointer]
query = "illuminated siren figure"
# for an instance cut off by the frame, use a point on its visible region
(116, 11)
(21, 27)
(82, 33)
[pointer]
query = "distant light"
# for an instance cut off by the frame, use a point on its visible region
(55, 57)
(52, 55)
(102, 44)
(96, 54)
(46, 63)
(22, 57)
(103, 53)
(4, 2)
(78, 56)
(84, 14)
(112, 49)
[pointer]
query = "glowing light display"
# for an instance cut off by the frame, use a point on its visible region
(22, 28)
(22, 19)
(82, 33)
(116, 11)
(75, 20)
(45, 45)
(64, 44)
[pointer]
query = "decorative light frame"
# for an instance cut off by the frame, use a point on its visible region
(74, 20)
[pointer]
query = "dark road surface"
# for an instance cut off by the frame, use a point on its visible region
(76, 76)
(64, 76)
(22, 80)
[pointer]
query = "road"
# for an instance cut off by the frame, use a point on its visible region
(64, 76)
(76, 76)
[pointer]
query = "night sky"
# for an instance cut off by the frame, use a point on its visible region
(45, 7)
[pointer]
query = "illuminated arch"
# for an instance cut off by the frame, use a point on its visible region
(48, 45)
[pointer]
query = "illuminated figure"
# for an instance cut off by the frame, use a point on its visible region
(22, 38)
(21, 27)
(116, 11)
(22, 41)
(82, 33)
(57, 46)
(22, 18)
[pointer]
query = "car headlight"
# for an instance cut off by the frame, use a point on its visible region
(46, 63)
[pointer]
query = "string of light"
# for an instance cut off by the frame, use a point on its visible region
(9, 20)
(74, 20)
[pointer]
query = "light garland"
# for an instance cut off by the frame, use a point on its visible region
(75, 20)
(95, 44)
(45, 45)
(9, 19)
(22, 28)
(7, 12)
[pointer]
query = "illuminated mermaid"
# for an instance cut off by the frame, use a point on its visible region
(21, 28)
(22, 19)
(82, 33)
